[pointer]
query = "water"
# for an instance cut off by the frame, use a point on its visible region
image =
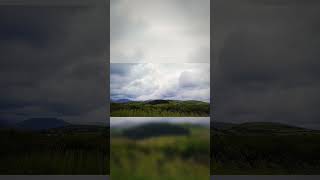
(122, 122)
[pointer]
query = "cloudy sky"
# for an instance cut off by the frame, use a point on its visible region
(160, 31)
(147, 81)
(53, 61)
(266, 61)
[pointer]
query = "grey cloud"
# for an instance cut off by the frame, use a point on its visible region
(266, 62)
(160, 31)
(53, 61)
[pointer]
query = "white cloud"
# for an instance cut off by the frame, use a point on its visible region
(184, 81)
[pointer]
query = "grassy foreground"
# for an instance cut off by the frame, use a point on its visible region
(265, 149)
(163, 157)
(160, 108)
(53, 153)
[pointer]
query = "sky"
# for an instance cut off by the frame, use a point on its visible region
(53, 61)
(149, 81)
(266, 61)
(265, 55)
(160, 31)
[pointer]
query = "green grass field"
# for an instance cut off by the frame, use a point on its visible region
(264, 149)
(160, 108)
(162, 157)
(70, 153)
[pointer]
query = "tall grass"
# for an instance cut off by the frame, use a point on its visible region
(169, 109)
(265, 154)
(40, 153)
(166, 157)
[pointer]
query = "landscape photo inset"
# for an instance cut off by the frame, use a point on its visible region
(160, 90)
(160, 124)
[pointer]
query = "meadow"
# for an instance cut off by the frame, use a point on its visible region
(160, 108)
(171, 157)
(57, 152)
(265, 149)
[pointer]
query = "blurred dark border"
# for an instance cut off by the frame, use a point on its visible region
(239, 177)
(67, 3)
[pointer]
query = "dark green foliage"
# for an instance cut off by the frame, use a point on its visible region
(265, 148)
(158, 102)
(154, 130)
(54, 152)
(160, 108)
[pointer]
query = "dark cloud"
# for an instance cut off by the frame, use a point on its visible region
(266, 61)
(53, 61)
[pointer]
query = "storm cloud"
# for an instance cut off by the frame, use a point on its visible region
(148, 81)
(266, 61)
(53, 61)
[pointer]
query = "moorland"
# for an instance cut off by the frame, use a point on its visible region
(264, 148)
(160, 108)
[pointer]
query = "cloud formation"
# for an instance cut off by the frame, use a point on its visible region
(266, 61)
(160, 31)
(53, 62)
(147, 81)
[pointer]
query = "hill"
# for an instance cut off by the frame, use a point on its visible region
(160, 108)
(41, 124)
(120, 100)
(222, 125)
(260, 128)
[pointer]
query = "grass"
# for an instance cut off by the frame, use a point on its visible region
(56, 154)
(163, 108)
(169, 157)
(268, 153)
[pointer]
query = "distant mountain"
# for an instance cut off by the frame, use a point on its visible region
(157, 101)
(41, 124)
(98, 123)
(261, 128)
(78, 129)
(121, 100)
(222, 125)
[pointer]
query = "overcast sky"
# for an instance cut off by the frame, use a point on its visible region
(147, 81)
(160, 31)
(266, 61)
(53, 62)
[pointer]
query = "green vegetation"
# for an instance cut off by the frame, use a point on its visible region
(264, 148)
(160, 108)
(161, 156)
(54, 152)
(154, 130)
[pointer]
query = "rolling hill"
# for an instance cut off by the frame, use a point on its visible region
(260, 128)
(41, 124)
(160, 108)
